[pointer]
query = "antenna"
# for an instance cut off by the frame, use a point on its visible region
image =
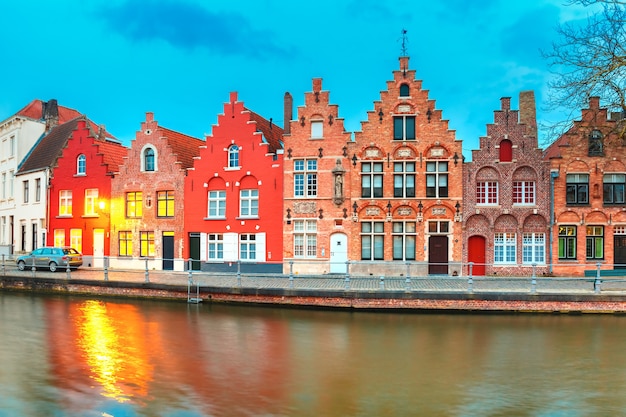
(405, 41)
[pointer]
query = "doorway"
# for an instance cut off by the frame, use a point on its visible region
(338, 253)
(438, 255)
(168, 251)
(619, 247)
(98, 248)
(194, 251)
(476, 249)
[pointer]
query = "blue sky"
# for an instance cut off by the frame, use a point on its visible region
(115, 60)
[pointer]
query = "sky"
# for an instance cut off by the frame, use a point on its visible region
(115, 60)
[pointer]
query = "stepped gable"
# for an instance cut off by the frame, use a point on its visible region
(272, 133)
(184, 147)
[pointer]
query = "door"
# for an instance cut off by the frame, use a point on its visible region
(619, 246)
(168, 251)
(98, 248)
(438, 255)
(476, 253)
(338, 253)
(194, 251)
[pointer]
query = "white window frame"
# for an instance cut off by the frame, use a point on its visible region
(504, 248)
(216, 207)
(81, 165)
(65, 203)
(533, 248)
(91, 201)
(437, 179)
(524, 193)
(305, 238)
(305, 178)
(215, 247)
(247, 247)
(487, 193)
(317, 129)
(249, 203)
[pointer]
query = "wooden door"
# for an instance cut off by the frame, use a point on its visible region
(438, 255)
(476, 254)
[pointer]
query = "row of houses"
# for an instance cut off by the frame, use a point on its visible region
(394, 198)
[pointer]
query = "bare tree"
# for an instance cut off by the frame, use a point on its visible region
(590, 60)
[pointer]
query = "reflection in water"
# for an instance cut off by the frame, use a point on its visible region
(76, 357)
(113, 349)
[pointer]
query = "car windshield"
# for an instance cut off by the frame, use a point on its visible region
(70, 251)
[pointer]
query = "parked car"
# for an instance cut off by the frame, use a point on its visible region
(52, 258)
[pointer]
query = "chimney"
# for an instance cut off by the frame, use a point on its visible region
(51, 114)
(594, 102)
(528, 113)
(317, 85)
(505, 103)
(101, 132)
(288, 112)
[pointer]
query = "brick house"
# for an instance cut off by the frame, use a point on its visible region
(507, 197)
(588, 170)
(148, 201)
(317, 204)
(82, 163)
(236, 185)
(406, 184)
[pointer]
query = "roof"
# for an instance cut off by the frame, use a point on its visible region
(272, 133)
(35, 110)
(49, 147)
(184, 147)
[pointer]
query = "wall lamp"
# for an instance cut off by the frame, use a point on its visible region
(456, 158)
(354, 159)
(380, 114)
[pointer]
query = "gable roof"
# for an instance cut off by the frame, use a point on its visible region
(35, 110)
(184, 147)
(272, 133)
(48, 148)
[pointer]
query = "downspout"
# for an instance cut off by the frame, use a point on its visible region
(554, 174)
(47, 184)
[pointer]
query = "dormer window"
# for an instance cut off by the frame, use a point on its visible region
(233, 156)
(595, 144)
(404, 90)
(149, 159)
(81, 165)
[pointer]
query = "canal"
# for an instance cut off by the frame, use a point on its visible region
(70, 356)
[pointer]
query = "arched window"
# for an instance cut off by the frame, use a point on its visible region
(233, 156)
(595, 143)
(148, 160)
(81, 165)
(506, 151)
(404, 90)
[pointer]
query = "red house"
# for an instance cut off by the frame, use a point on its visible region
(236, 187)
(83, 163)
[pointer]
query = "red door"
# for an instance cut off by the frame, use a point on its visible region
(476, 254)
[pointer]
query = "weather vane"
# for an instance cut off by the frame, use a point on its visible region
(405, 41)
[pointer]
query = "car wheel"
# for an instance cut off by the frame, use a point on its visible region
(21, 265)
(53, 266)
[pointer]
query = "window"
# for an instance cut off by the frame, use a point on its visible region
(595, 242)
(11, 182)
(504, 248)
(149, 162)
(91, 198)
(404, 127)
(26, 189)
(65, 203)
(233, 156)
(372, 180)
(317, 129)
(249, 203)
(146, 240)
(404, 90)
(165, 203)
(247, 247)
(305, 178)
(533, 248)
(134, 204)
(4, 185)
(436, 179)
(595, 144)
(12, 146)
(404, 237)
(613, 187)
(216, 247)
(81, 165)
(487, 192)
(577, 189)
(506, 151)
(372, 240)
(438, 227)
(76, 239)
(217, 204)
(305, 238)
(59, 237)
(38, 189)
(403, 179)
(524, 192)
(567, 242)
(126, 243)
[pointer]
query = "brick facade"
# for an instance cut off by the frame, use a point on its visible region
(317, 172)
(507, 196)
(588, 165)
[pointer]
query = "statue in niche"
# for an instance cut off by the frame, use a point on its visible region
(338, 173)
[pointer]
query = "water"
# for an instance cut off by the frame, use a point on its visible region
(88, 357)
